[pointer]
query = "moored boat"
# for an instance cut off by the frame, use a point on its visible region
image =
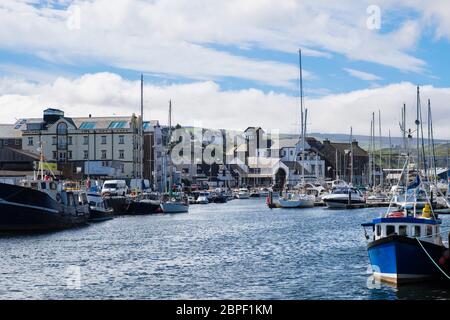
(344, 198)
(294, 200)
(98, 208)
(407, 248)
(243, 193)
(40, 205)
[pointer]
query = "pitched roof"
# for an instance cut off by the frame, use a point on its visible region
(9, 131)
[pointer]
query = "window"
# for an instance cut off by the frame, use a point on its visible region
(87, 125)
(117, 125)
(69, 141)
(85, 140)
(292, 152)
(103, 139)
(103, 154)
(378, 231)
(390, 230)
(121, 154)
(62, 142)
(429, 230)
(55, 154)
(54, 141)
(121, 139)
(85, 154)
(30, 141)
(402, 230)
(417, 231)
(17, 142)
(62, 156)
(62, 128)
(69, 154)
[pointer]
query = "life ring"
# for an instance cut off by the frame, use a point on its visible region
(396, 214)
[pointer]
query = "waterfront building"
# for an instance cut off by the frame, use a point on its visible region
(338, 160)
(106, 147)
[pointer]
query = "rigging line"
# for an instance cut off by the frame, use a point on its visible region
(443, 272)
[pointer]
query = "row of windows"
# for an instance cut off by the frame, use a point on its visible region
(85, 155)
(70, 140)
(403, 230)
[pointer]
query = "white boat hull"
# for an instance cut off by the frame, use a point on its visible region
(173, 207)
(300, 203)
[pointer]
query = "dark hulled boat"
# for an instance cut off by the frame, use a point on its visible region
(40, 206)
(98, 208)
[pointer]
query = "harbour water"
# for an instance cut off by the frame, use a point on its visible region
(238, 250)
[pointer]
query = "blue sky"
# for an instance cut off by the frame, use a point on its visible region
(239, 46)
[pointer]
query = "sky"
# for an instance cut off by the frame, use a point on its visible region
(229, 64)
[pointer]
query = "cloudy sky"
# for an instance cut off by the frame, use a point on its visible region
(228, 64)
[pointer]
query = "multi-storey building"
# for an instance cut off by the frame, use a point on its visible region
(95, 146)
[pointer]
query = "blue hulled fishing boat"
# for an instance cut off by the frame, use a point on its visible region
(407, 243)
(407, 248)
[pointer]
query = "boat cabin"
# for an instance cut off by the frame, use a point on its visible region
(413, 227)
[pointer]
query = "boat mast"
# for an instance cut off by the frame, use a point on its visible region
(418, 127)
(170, 144)
(302, 120)
(381, 149)
(433, 150)
(390, 150)
(374, 158)
(369, 171)
(141, 135)
(351, 153)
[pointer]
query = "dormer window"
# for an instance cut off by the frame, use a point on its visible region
(62, 128)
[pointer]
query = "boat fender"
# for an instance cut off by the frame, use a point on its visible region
(426, 212)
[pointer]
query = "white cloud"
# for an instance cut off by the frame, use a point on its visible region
(180, 37)
(105, 94)
(362, 75)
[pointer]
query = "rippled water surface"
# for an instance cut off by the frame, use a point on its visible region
(238, 250)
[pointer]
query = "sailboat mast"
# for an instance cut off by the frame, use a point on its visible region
(370, 155)
(418, 126)
(390, 150)
(141, 135)
(433, 150)
(381, 148)
(302, 120)
(170, 143)
(374, 162)
(351, 154)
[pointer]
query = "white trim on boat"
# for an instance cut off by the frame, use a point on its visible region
(2, 201)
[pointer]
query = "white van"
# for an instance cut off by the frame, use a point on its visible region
(115, 188)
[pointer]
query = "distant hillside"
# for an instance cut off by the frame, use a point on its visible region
(365, 140)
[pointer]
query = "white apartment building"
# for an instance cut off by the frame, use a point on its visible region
(95, 146)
